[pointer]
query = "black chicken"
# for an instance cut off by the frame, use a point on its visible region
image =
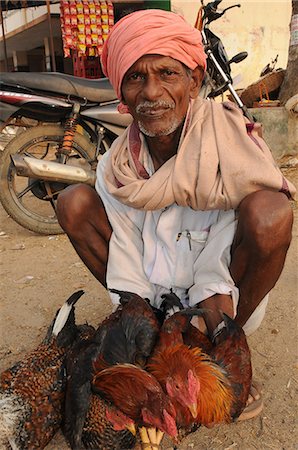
(126, 336)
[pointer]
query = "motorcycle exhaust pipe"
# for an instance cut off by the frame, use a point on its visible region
(51, 171)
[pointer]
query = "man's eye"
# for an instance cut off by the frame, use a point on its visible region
(169, 72)
(135, 76)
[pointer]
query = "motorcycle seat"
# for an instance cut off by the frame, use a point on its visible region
(95, 90)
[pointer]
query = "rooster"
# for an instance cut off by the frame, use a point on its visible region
(204, 388)
(126, 336)
(32, 390)
(106, 427)
(232, 354)
(130, 333)
(89, 421)
(138, 395)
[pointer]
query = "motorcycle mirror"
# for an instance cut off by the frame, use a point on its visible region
(238, 58)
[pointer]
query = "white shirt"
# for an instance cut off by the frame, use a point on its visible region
(176, 248)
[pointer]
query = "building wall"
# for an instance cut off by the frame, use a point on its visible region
(17, 18)
(259, 27)
(262, 28)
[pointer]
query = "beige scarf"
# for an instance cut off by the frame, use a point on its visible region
(220, 160)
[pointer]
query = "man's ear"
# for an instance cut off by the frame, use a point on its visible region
(197, 77)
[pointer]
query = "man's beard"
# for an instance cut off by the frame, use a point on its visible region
(147, 106)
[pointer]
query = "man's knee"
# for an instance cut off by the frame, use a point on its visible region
(73, 205)
(265, 220)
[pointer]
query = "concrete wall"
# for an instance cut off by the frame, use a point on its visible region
(259, 27)
(280, 129)
(17, 18)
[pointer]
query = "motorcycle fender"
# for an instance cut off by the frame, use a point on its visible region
(6, 111)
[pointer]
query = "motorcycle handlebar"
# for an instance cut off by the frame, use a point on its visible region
(211, 13)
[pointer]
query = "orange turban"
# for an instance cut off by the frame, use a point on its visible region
(151, 31)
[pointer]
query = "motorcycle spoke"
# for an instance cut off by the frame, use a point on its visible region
(26, 190)
(53, 203)
(45, 153)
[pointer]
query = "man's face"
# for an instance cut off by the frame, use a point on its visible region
(157, 90)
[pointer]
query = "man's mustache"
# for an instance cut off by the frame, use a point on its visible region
(148, 106)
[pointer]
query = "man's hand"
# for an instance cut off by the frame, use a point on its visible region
(215, 306)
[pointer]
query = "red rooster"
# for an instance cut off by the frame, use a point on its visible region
(233, 355)
(203, 388)
(138, 395)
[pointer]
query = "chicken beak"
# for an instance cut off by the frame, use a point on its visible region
(132, 428)
(193, 408)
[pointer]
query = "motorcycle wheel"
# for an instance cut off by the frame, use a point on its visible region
(22, 197)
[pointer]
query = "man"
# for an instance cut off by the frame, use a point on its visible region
(188, 199)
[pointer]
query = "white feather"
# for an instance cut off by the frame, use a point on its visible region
(61, 318)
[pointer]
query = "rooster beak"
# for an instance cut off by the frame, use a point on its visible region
(193, 408)
(132, 428)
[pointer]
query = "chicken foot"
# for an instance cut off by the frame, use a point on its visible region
(150, 438)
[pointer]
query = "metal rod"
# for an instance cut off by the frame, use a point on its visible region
(51, 37)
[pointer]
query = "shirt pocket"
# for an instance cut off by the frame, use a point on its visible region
(189, 245)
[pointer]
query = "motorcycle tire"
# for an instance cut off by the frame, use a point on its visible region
(21, 197)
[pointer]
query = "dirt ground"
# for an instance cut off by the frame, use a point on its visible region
(38, 273)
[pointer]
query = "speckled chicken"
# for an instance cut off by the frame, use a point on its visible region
(106, 427)
(32, 390)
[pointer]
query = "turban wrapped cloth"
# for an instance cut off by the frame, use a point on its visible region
(151, 31)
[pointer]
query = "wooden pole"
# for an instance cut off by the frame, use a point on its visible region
(4, 40)
(51, 37)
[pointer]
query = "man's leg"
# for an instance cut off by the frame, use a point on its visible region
(82, 216)
(259, 250)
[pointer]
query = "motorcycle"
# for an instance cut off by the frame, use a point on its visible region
(69, 123)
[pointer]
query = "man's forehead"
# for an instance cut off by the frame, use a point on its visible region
(155, 59)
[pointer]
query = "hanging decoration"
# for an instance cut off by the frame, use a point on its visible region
(85, 26)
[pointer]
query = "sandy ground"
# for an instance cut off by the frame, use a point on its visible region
(39, 272)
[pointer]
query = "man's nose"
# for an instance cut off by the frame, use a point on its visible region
(152, 88)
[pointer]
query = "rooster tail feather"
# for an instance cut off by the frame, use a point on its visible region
(231, 325)
(64, 319)
(192, 312)
(170, 300)
(125, 296)
(64, 312)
